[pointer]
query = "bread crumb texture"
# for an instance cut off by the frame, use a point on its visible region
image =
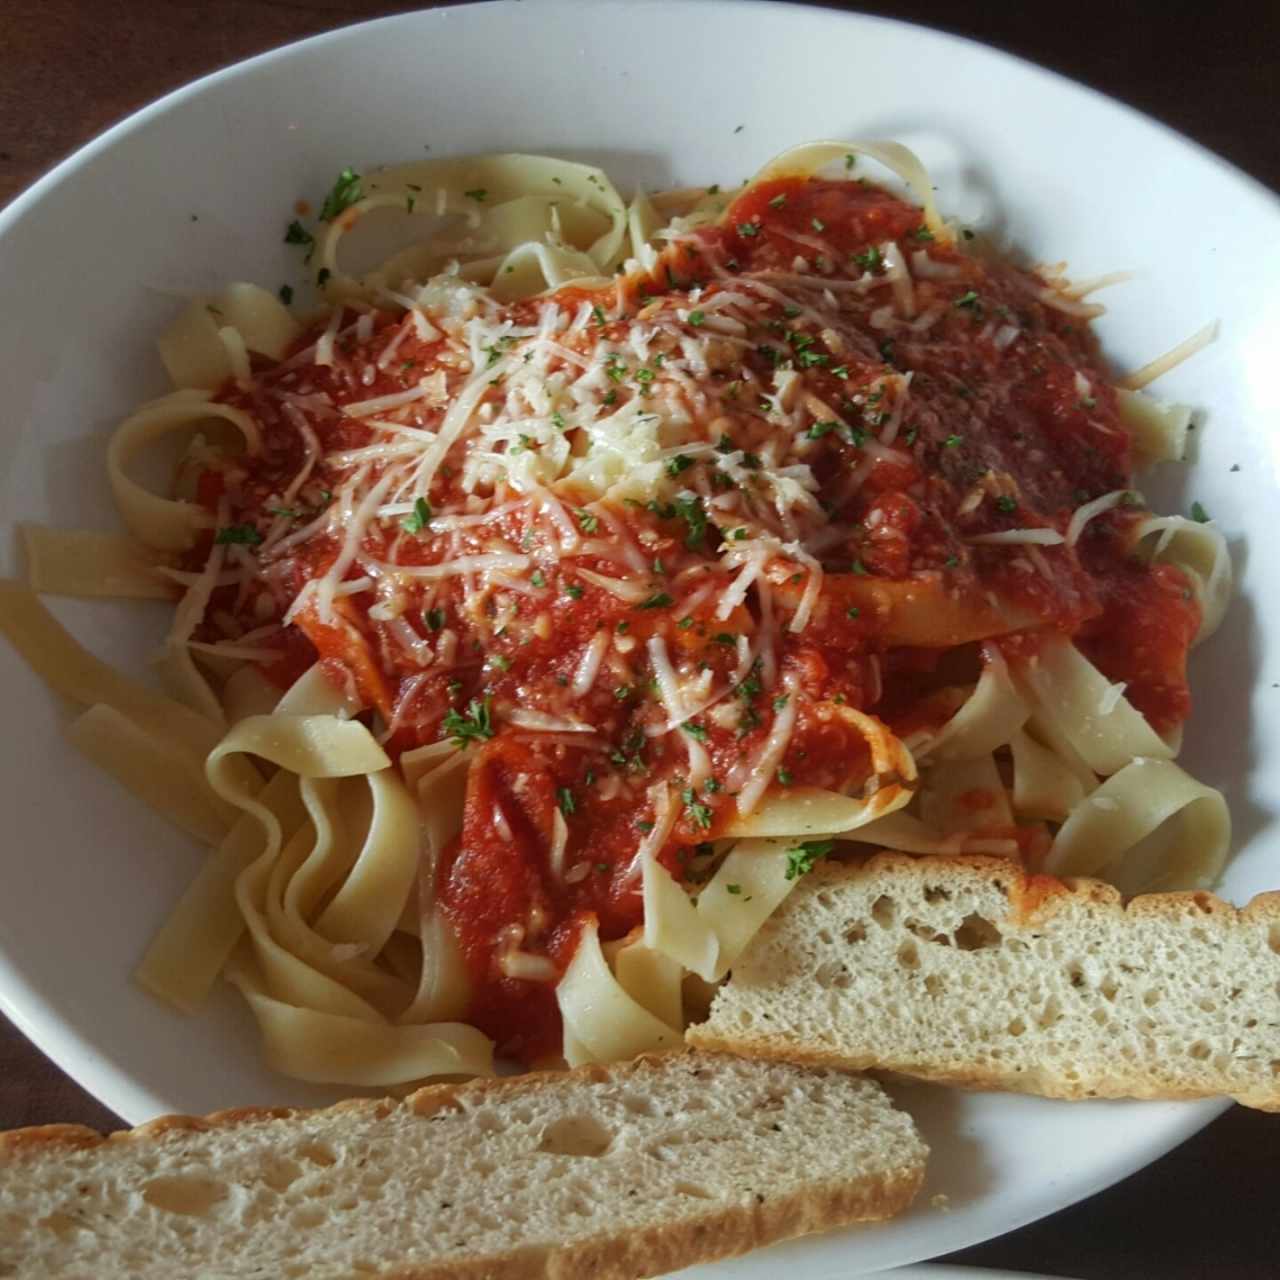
(970, 972)
(599, 1173)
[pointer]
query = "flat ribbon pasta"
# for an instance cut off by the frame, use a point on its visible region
(81, 562)
(602, 1023)
(195, 348)
(328, 1048)
(1200, 551)
(988, 719)
(167, 524)
(197, 939)
(1080, 703)
(808, 159)
(549, 220)
(1150, 827)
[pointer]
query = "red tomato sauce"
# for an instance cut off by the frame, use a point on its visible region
(1002, 416)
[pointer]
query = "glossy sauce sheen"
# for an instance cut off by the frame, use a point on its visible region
(990, 436)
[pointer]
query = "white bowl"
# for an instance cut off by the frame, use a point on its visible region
(196, 190)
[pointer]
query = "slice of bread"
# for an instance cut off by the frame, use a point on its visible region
(968, 971)
(599, 1173)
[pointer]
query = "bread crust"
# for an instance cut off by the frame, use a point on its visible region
(628, 1254)
(1035, 902)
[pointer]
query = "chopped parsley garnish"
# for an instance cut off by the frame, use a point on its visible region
(597, 314)
(777, 202)
(434, 618)
(858, 567)
(285, 513)
(850, 160)
(616, 370)
(685, 623)
(622, 692)
(699, 812)
(748, 229)
(951, 561)
(286, 294)
(564, 798)
(1006, 504)
(501, 662)
(420, 518)
(681, 462)
(820, 429)
(343, 194)
(659, 600)
(781, 701)
(296, 233)
(590, 522)
(238, 534)
(953, 442)
(853, 612)
(817, 224)
(785, 777)
(723, 637)
(1199, 514)
(538, 578)
(923, 233)
(801, 859)
(871, 260)
(557, 421)
(696, 318)
(473, 725)
(692, 512)
(573, 591)
(695, 730)
(969, 299)
(478, 194)
(611, 397)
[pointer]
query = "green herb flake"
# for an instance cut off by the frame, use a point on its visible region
(342, 195)
(1006, 504)
(296, 233)
(820, 429)
(693, 513)
(696, 318)
(734, 889)
(478, 194)
(568, 805)
(1199, 514)
(681, 462)
(240, 535)
(501, 662)
(696, 731)
(538, 578)
(573, 591)
(659, 600)
(970, 300)
(853, 612)
(801, 859)
(474, 725)
(748, 229)
(286, 294)
(953, 442)
(695, 809)
(434, 618)
(777, 202)
(420, 518)
(785, 777)
(870, 260)
(588, 520)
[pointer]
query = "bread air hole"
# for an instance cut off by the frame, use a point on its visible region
(692, 1189)
(576, 1136)
(909, 955)
(318, 1153)
(935, 893)
(976, 933)
(884, 911)
(1200, 1050)
(189, 1195)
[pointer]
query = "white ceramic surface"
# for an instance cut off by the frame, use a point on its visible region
(196, 190)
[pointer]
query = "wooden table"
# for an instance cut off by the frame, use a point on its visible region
(73, 67)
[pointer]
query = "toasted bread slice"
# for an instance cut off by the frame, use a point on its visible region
(599, 1173)
(970, 972)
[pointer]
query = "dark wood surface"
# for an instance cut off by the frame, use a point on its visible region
(72, 67)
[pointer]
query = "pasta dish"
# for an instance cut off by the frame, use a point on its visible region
(576, 574)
